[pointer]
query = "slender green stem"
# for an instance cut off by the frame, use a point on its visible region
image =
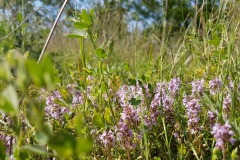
(166, 140)
(81, 45)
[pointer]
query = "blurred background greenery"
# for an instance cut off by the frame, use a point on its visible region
(123, 20)
(141, 29)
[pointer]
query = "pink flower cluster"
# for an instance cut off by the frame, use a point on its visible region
(192, 112)
(53, 109)
(8, 140)
(223, 134)
(215, 85)
(108, 139)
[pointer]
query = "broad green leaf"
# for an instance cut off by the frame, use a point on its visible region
(78, 34)
(63, 144)
(101, 53)
(41, 137)
(9, 100)
(81, 26)
(2, 150)
(35, 114)
(86, 18)
(47, 128)
(84, 144)
(42, 74)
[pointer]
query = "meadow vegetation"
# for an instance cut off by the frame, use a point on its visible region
(105, 91)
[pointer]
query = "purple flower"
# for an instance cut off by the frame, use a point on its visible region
(107, 138)
(174, 86)
(186, 99)
(154, 113)
(212, 116)
(161, 88)
(167, 102)
(226, 105)
(71, 88)
(148, 94)
(9, 141)
(76, 94)
(227, 102)
(223, 134)
(160, 91)
(129, 115)
(197, 87)
(6, 119)
(168, 108)
(215, 85)
(77, 99)
(122, 95)
(192, 112)
(54, 110)
(125, 136)
(177, 132)
(231, 83)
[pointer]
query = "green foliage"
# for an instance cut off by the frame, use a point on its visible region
(101, 53)
(9, 101)
(42, 74)
(87, 112)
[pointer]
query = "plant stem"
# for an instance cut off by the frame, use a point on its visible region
(52, 29)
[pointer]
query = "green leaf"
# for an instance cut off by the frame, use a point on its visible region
(92, 13)
(135, 101)
(84, 144)
(81, 26)
(234, 154)
(63, 144)
(215, 40)
(107, 114)
(97, 119)
(182, 149)
(2, 151)
(35, 149)
(78, 34)
(101, 53)
(41, 137)
(5, 73)
(86, 18)
(88, 71)
(9, 100)
(42, 74)
(19, 17)
(132, 82)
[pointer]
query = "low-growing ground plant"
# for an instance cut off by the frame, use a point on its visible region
(181, 106)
